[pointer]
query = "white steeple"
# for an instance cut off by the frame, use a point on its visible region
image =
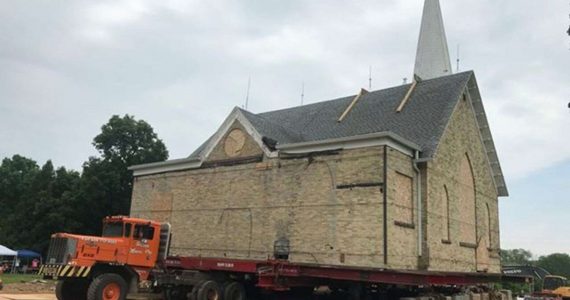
(432, 58)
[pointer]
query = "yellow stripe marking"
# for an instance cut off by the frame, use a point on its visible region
(78, 274)
(87, 271)
(58, 271)
(70, 274)
(64, 271)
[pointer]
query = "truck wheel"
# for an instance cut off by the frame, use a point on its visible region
(107, 287)
(71, 290)
(234, 291)
(209, 290)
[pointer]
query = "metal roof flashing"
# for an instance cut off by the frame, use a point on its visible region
(353, 142)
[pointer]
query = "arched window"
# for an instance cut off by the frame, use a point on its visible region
(467, 207)
(445, 214)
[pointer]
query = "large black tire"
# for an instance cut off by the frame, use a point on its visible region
(194, 293)
(107, 287)
(234, 291)
(208, 290)
(176, 293)
(71, 289)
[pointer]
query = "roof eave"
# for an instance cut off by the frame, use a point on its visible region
(487, 137)
(351, 142)
(166, 166)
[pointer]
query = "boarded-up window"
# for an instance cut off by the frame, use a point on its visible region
(489, 227)
(445, 214)
(467, 214)
(404, 198)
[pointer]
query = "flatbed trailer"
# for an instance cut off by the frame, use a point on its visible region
(182, 277)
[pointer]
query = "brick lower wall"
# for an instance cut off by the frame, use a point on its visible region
(239, 211)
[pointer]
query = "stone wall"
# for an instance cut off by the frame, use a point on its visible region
(239, 211)
(458, 231)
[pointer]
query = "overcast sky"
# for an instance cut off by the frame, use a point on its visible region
(182, 65)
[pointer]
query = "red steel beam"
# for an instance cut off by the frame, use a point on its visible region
(281, 274)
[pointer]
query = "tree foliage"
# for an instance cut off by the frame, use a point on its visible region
(106, 180)
(516, 257)
(556, 264)
(38, 201)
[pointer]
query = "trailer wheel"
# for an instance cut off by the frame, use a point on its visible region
(209, 290)
(176, 293)
(234, 291)
(107, 287)
(355, 292)
(193, 295)
(71, 290)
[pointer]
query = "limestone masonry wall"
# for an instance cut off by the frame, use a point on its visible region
(239, 211)
(462, 204)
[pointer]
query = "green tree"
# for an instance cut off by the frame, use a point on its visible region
(16, 174)
(37, 202)
(556, 264)
(126, 141)
(40, 200)
(516, 257)
(106, 182)
(16, 177)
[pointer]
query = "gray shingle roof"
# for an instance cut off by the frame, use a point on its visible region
(422, 121)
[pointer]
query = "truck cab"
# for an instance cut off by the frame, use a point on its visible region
(126, 251)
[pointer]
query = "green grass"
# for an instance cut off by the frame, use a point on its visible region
(17, 278)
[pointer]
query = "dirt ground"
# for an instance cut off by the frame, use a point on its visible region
(26, 287)
(27, 297)
(28, 291)
(29, 287)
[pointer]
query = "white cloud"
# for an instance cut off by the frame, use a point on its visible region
(102, 17)
(287, 45)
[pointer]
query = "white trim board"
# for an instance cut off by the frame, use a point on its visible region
(353, 142)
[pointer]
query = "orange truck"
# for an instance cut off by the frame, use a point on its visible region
(106, 267)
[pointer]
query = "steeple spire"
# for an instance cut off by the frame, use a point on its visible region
(432, 58)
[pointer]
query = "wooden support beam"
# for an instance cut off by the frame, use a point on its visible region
(349, 108)
(408, 96)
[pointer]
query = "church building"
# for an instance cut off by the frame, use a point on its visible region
(405, 178)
